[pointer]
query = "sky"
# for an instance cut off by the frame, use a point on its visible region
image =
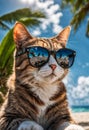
(77, 81)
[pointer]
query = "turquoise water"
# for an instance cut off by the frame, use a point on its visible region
(80, 108)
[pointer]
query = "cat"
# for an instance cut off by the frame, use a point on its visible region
(36, 98)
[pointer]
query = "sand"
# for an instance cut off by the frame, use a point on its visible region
(82, 118)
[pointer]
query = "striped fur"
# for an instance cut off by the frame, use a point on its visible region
(32, 97)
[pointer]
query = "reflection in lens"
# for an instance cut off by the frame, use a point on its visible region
(65, 58)
(38, 56)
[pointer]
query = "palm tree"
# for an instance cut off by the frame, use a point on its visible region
(80, 9)
(25, 16)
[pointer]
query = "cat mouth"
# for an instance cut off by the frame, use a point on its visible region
(52, 75)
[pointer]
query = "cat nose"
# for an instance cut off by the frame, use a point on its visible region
(53, 66)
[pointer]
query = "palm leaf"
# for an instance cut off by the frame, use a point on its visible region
(30, 21)
(80, 9)
(25, 14)
(3, 25)
(6, 49)
(6, 61)
(80, 16)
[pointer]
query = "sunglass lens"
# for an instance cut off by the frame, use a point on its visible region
(65, 57)
(38, 56)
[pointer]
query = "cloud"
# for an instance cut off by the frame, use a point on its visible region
(53, 15)
(79, 94)
(82, 89)
(36, 32)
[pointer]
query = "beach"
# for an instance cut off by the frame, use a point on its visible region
(82, 118)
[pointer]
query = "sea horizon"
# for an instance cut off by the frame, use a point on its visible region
(78, 108)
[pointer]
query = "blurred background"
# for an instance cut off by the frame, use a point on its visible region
(46, 18)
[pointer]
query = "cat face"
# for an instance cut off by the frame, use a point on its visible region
(50, 72)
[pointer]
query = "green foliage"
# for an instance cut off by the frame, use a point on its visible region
(6, 61)
(3, 25)
(6, 49)
(80, 9)
(24, 15)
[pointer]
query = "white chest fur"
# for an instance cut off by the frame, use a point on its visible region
(44, 94)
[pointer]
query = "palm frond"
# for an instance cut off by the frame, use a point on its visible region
(80, 16)
(3, 25)
(21, 13)
(30, 21)
(6, 49)
(80, 9)
(6, 61)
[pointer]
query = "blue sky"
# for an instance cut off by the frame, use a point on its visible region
(77, 81)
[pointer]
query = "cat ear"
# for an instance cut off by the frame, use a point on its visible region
(63, 36)
(20, 34)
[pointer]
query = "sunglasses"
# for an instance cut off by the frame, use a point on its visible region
(39, 56)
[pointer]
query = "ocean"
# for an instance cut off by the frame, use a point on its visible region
(80, 108)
